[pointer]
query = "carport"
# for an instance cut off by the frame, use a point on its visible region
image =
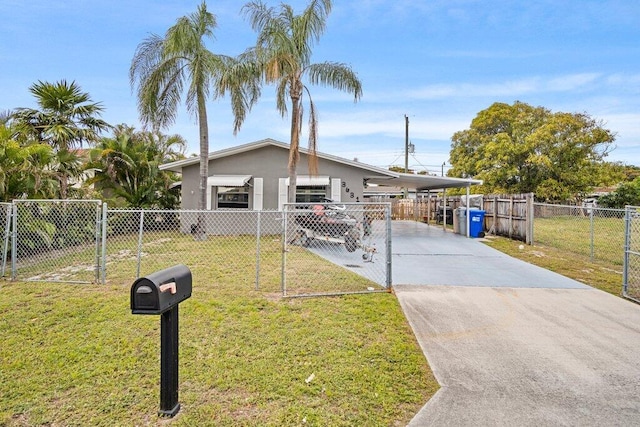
(426, 184)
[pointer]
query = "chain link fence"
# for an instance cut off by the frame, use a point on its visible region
(301, 251)
(598, 233)
(631, 271)
(216, 245)
(319, 237)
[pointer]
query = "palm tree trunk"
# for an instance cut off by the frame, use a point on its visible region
(200, 232)
(294, 147)
(64, 185)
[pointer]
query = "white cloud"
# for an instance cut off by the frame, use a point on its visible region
(626, 126)
(513, 88)
(391, 124)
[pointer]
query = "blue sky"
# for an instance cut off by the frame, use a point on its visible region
(438, 62)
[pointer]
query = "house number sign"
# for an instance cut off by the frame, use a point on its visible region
(347, 190)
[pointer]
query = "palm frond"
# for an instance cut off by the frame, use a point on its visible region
(336, 75)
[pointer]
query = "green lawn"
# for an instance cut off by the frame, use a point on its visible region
(573, 234)
(75, 355)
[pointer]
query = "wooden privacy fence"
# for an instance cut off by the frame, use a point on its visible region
(509, 215)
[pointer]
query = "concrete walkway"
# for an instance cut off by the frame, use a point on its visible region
(512, 344)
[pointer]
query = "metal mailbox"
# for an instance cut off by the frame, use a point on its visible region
(160, 291)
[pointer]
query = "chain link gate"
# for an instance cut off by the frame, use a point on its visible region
(631, 269)
(5, 233)
(336, 249)
(56, 240)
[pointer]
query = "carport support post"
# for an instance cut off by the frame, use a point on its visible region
(169, 405)
(444, 209)
(468, 219)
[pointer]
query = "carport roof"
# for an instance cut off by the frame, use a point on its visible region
(422, 182)
(373, 174)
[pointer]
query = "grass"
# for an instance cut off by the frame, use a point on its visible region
(602, 275)
(573, 234)
(75, 355)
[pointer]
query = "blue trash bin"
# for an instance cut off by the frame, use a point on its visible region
(476, 222)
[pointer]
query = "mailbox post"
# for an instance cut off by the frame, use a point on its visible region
(160, 293)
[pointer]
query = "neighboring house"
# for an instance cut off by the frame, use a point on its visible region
(254, 176)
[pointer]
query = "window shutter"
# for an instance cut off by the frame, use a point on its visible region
(335, 189)
(257, 194)
(282, 193)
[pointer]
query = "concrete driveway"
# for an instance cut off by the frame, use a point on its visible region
(512, 344)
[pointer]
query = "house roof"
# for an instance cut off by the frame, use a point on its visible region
(373, 175)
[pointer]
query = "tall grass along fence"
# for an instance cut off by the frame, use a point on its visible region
(508, 215)
(631, 270)
(598, 233)
(83, 241)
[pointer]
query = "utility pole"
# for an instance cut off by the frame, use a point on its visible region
(406, 144)
(406, 151)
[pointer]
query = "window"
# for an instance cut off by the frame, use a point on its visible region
(310, 193)
(233, 197)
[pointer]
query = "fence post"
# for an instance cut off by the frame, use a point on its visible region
(283, 276)
(495, 215)
(97, 245)
(529, 221)
(14, 242)
(5, 239)
(140, 235)
(511, 216)
(258, 253)
(103, 266)
(627, 243)
(591, 226)
(388, 242)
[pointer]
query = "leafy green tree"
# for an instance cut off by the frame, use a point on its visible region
(25, 171)
(283, 50)
(66, 118)
(164, 66)
(126, 168)
(397, 168)
(627, 193)
(519, 148)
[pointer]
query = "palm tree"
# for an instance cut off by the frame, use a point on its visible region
(68, 163)
(283, 49)
(127, 167)
(67, 116)
(164, 66)
(66, 119)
